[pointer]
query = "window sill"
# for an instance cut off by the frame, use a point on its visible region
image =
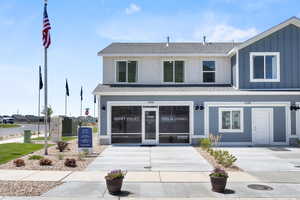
(231, 131)
(264, 80)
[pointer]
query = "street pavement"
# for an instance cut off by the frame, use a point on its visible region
(20, 130)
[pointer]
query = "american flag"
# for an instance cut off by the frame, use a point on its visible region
(46, 28)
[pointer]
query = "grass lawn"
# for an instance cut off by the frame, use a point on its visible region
(11, 151)
(9, 125)
(66, 138)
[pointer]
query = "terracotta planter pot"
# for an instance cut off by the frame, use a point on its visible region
(218, 183)
(114, 186)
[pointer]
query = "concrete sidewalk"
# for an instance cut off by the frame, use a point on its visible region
(98, 176)
(18, 140)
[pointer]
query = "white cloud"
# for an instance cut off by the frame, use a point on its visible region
(133, 8)
(225, 32)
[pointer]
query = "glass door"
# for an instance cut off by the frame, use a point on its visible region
(150, 126)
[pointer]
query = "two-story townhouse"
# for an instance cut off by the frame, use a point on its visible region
(174, 93)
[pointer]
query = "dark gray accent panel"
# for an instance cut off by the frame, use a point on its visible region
(233, 70)
(230, 137)
(287, 42)
(279, 124)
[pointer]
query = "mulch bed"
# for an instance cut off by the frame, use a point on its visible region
(26, 188)
(53, 155)
(214, 163)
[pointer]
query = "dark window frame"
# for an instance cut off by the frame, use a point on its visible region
(127, 76)
(209, 71)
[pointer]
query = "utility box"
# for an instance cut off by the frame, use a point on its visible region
(27, 136)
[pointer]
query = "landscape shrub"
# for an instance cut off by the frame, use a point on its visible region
(61, 146)
(45, 162)
(70, 162)
(19, 162)
(205, 143)
(60, 156)
(35, 157)
(223, 157)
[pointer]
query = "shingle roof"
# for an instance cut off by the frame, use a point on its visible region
(173, 48)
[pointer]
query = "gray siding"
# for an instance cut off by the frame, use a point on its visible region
(246, 136)
(230, 137)
(287, 42)
(279, 118)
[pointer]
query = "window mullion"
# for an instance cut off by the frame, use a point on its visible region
(264, 66)
(230, 120)
(126, 71)
(174, 71)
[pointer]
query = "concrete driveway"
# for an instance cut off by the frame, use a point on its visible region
(267, 159)
(158, 158)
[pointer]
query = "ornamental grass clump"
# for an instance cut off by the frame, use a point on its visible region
(35, 157)
(205, 143)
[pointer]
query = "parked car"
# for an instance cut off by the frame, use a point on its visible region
(7, 120)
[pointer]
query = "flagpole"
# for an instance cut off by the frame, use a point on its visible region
(66, 105)
(39, 103)
(46, 102)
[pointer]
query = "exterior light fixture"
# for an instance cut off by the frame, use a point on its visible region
(103, 108)
(294, 107)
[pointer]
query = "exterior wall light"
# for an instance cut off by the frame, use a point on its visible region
(199, 107)
(103, 108)
(294, 107)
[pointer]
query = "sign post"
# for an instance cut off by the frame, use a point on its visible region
(85, 139)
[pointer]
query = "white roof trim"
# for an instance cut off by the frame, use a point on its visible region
(294, 20)
(212, 93)
(163, 54)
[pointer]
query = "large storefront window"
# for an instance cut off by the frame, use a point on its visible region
(174, 119)
(126, 119)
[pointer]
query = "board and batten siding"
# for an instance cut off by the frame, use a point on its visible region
(287, 42)
(150, 69)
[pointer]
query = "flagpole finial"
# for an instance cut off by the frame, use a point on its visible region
(46, 1)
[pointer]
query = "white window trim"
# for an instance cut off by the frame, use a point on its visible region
(163, 70)
(209, 71)
(116, 71)
(252, 54)
(241, 129)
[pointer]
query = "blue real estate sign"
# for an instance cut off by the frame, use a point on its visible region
(85, 137)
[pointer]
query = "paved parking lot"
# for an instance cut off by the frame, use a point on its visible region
(158, 158)
(267, 159)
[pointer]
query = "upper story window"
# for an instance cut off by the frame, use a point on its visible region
(231, 120)
(209, 71)
(173, 71)
(264, 66)
(126, 71)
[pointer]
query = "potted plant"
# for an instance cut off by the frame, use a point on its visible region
(218, 179)
(114, 181)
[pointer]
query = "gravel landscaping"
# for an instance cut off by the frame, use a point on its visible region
(26, 188)
(57, 159)
(214, 163)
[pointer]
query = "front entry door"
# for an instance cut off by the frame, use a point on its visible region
(262, 126)
(150, 126)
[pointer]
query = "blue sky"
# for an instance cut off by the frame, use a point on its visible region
(80, 28)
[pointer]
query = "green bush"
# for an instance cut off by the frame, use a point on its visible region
(224, 158)
(35, 157)
(205, 143)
